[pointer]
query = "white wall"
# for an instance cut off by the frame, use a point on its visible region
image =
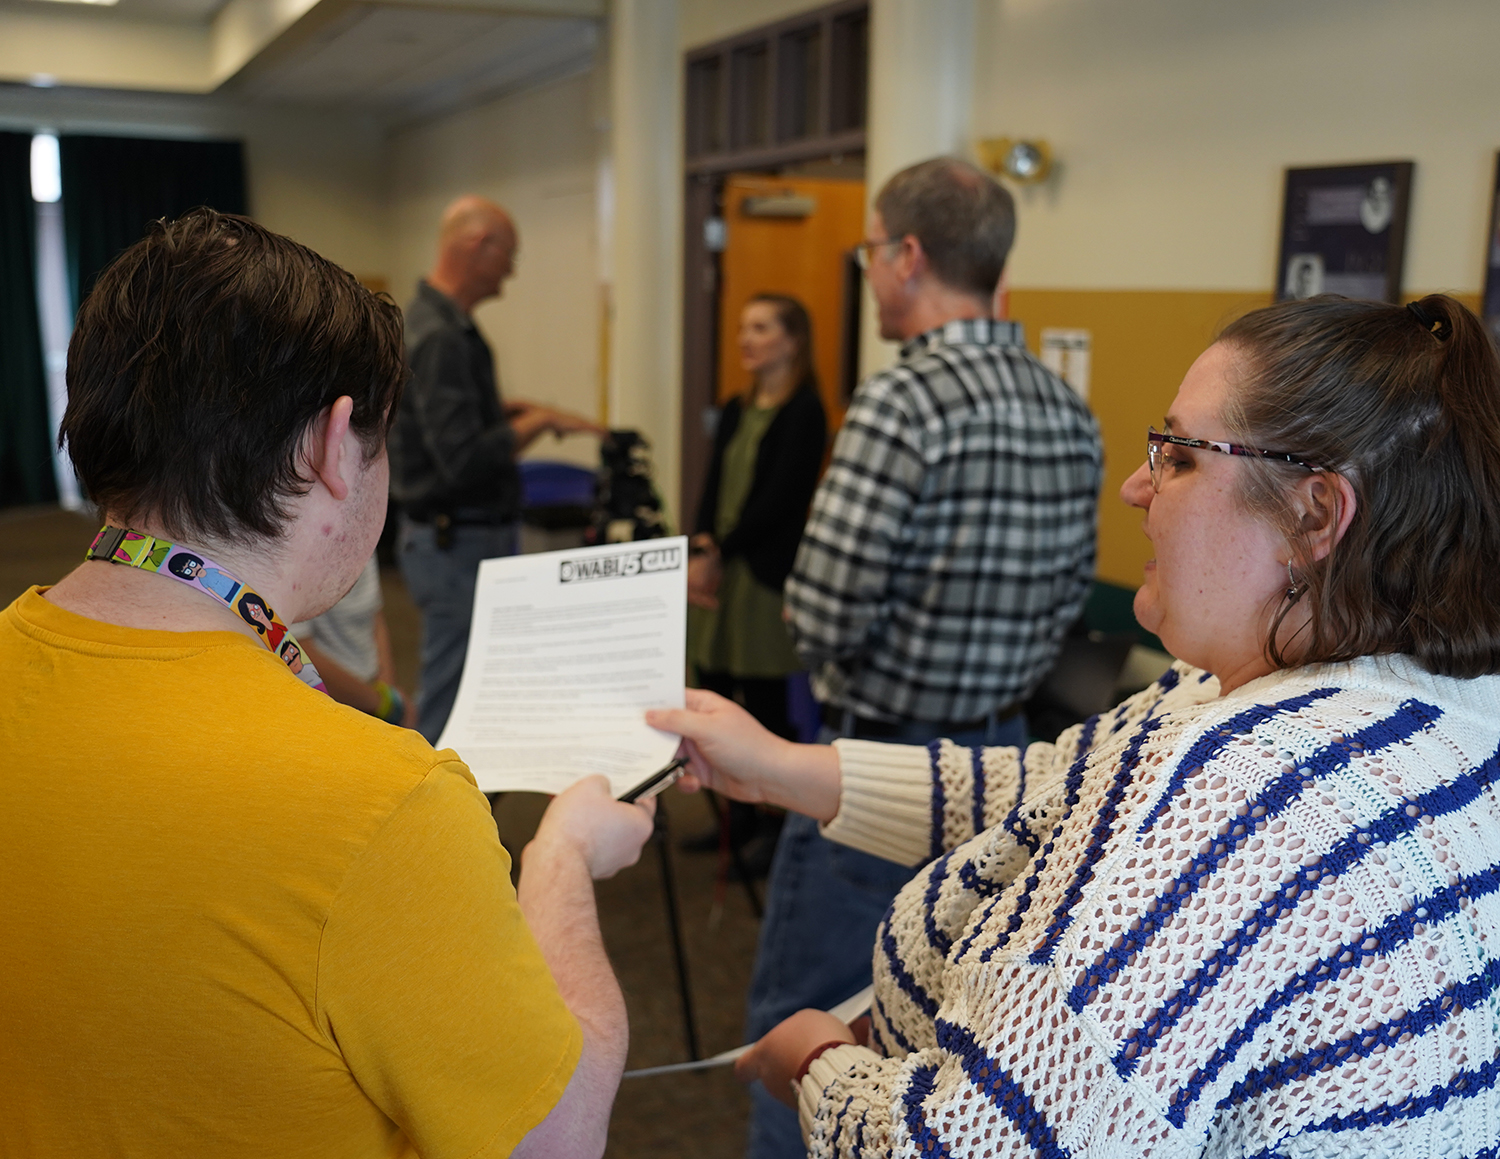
(1173, 120)
(536, 153)
(317, 177)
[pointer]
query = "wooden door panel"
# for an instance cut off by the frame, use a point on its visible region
(800, 256)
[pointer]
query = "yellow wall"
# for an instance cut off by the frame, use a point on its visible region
(1143, 343)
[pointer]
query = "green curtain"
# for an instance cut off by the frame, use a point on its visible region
(25, 434)
(114, 187)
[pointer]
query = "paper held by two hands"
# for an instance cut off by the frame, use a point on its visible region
(567, 650)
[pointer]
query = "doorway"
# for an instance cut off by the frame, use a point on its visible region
(774, 201)
(790, 235)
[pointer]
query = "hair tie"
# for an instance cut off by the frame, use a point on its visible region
(1439, 328)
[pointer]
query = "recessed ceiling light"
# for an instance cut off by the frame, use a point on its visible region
(100, 3)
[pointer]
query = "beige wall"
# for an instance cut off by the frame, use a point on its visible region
(705, 21)
(1173, 121)
(317, 177)
(75, 46)
(537, 153)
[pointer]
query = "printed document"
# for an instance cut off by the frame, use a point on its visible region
(567, 650)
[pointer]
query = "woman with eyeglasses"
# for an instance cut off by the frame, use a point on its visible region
(1255, 909)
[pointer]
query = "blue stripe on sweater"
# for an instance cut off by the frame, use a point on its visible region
(1071, 785)
(838, 1119)
(1104, 824)
(936, 938)
(1003, 1091)
(1345, 853)
(1013, 823)
(1384, 939)
(904, 981)
(1424, 1017)
(901, 1043)
(1025, 836)
(1465, 1085)
(939, 800)
(1212, 743)
(983, 886)
(923, 1137)
(976, 756)
(1410, 718)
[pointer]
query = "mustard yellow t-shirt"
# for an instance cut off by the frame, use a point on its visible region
(237, 918)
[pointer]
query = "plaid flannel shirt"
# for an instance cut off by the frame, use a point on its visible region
(951, 543)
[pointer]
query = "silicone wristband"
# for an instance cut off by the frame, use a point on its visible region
(392, 707)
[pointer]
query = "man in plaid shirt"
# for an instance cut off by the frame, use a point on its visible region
(950, 546)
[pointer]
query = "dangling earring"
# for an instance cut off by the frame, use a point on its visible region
(1292, 591)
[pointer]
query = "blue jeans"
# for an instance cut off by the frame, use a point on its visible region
(824, 903)
(441, 583)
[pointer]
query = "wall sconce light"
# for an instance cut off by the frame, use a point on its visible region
(1024, 162)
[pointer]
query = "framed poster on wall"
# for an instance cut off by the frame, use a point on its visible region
(1492, 260)
(1343, 231)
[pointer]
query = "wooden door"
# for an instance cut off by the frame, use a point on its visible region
(800, 255)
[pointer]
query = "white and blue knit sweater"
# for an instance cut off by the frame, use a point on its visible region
(1260, 924)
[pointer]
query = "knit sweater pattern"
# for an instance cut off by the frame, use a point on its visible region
(1248, 925)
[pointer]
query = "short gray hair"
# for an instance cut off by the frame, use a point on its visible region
(964, 218)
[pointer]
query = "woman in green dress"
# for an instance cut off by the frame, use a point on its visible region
(768, 452)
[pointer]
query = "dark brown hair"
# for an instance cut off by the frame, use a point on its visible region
(794, 319)
(1412, 421)
(963, 217)
(200, 359)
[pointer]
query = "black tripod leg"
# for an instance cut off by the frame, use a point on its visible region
(737, 856)
(669, 890)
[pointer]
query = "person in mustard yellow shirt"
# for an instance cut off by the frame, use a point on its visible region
(241, 919)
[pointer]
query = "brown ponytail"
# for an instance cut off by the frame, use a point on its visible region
(1405, 404)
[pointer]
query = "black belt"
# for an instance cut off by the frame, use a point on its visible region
(443, 523)
(459, 517)
(850, 725)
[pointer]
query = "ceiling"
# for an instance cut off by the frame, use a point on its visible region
(413, 62)
(397, 60)
(174, 11)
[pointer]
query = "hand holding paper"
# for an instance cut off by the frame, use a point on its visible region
(567, 649)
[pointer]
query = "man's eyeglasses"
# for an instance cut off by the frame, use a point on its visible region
(863, 250)
(1155, 440)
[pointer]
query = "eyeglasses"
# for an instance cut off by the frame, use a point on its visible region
(1155, 440)
(863, 250)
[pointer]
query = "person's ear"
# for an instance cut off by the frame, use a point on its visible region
(911, 260)
(328, 451)
(1326, 503)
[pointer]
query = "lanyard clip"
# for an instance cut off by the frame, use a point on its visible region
(106, 543)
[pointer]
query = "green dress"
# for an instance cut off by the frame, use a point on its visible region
(746, 636)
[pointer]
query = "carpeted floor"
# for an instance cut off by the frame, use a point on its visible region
(698, 1114)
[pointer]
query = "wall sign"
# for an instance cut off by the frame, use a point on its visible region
(1492, 261)
(1343, 231)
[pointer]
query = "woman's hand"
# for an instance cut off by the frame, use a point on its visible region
(729, 751)
(705, 569)
(776, 1058)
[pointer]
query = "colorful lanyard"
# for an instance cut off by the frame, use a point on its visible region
(135, 549)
